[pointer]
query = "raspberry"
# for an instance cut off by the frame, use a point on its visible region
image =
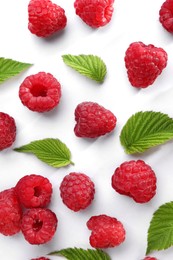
(93, 120)
(39, 225)
(40, 258)
(77, 191)
(95, 13)
(150, 258)
(40, 92)
(45, 18)
(34, 191)
(166, 15)
(7, 130)
(10, 212)
(135, 179)
(144, 63)
(106, 231)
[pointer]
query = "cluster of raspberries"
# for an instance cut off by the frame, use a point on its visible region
(24, 207)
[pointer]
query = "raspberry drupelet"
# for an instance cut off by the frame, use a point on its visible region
(40, 92)
(106, 231)
(135, 179)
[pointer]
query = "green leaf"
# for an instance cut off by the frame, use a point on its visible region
(82, 254)
(144, 130)
(160, 232)
(10, 68)
(88, 65)
(51, 151)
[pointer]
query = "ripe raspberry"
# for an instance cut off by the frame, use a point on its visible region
(135, 179)
(95, 13)
(106, 231)
(93, 120)
(77, 191)
(34, 191)
(166, 15)
(7, 130)
(39, 225)
(40, 258)
(144, 63)
(45, 18)
(150, 258)
(10, 212)
(40, 92)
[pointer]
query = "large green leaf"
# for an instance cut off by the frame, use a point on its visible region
(144, 130)
(160, 232)
(51, 151)
(88, 65)
(82, 254)
(10, 68)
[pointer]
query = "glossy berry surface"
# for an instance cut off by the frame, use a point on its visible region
(77, 191)
(93, 120)
(34, 191)
(39, 225)
(135, 179)
(106, 231)
(40, 92)
(7, 130)
(95, 13)
(10, 212)
(45, 18)
(166, 15)
(144, 63)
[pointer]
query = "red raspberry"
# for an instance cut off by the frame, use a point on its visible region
(45, 18)
(135, 179)
(7, 130)
(150, 258)
(39, 225)
(95, 13)
(93, 120)
(144, 63)
(166, 15)
(40, 92)
(40, 258)
(106, 231)
(34, 191)
(77, 191)
(10, 212)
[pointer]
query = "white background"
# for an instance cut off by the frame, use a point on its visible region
(132, 21)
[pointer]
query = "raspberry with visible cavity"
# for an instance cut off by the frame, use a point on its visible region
(135, 179)
(45, 18)
(144, 63)
(166, 15)
(77, 191)
(150, 258)
(34, 191)
(40, 92)
(7, 130)
(95, 13)
(10, 212)
(38, 225)
(93, 120)
(106, 231)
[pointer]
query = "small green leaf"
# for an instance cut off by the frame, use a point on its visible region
(51, 151)
(144, 130)
(160, 232)
(10, 68)
(82, 254)
(88, 65)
